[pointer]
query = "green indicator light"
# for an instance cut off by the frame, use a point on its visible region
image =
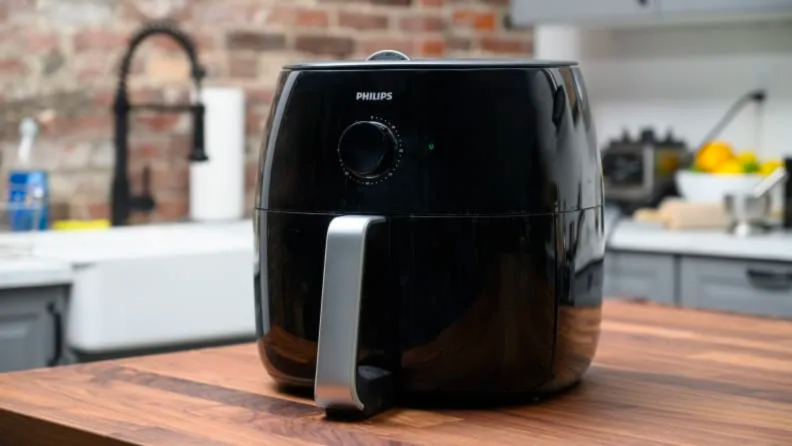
(431, 146)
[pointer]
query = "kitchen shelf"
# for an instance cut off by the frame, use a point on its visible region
(629, 12)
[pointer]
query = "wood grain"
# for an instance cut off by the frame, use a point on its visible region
(661, 376)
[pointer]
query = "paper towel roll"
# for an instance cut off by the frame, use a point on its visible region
(217, 186)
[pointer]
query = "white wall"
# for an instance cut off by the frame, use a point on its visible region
(684, 77)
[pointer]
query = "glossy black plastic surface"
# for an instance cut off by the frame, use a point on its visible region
(486, 278)
(471, 142)
(469, 305)
(367, 149)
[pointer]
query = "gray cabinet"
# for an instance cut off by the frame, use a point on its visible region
(533, 12)
(725, 6)
(538, 11)
(754, 287)
(649, 276)
(31, 327)
(744, 286)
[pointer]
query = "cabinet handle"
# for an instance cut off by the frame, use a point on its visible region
(57, 318)
(771, 280)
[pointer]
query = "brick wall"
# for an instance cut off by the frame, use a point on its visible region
(62, 55)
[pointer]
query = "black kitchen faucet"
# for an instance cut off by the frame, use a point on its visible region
(122, 201)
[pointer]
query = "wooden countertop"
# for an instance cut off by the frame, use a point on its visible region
(661, 376)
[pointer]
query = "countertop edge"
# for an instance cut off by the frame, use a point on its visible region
(34, 273)
(637, 237)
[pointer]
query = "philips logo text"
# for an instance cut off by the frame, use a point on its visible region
(374, 96)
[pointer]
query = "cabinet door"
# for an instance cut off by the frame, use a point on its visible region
(30, 328)
(539, 11)
(725, 6)
(742, 286)
(641, 275)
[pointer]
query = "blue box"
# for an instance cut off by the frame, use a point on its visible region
(28, 200)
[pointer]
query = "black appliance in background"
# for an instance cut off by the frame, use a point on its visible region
(122, 201)
(428, 232)
(639, 172)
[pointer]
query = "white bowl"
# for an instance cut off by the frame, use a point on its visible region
(701, 187)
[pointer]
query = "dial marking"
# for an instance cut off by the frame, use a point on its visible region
(398, 155)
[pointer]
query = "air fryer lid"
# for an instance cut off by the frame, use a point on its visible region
(391, 59)
(513, 137)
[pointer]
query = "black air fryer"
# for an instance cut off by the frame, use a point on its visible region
(428, 231)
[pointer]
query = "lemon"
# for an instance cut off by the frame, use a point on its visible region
(730, 167)
(748, 157)
(769, 166)
(713, 154)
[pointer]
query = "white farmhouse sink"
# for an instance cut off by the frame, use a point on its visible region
(151, 286)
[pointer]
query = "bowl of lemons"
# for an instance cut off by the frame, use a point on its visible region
(718, 169)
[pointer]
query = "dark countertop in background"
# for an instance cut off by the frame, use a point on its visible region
(661, 376)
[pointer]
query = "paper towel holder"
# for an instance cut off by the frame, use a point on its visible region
(122, 201)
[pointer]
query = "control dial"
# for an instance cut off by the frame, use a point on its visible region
(368, 149)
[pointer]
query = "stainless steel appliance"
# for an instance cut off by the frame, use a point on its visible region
(640, 172)
(749, 211)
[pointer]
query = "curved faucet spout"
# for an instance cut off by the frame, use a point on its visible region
(165, 28)
(122, 201)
